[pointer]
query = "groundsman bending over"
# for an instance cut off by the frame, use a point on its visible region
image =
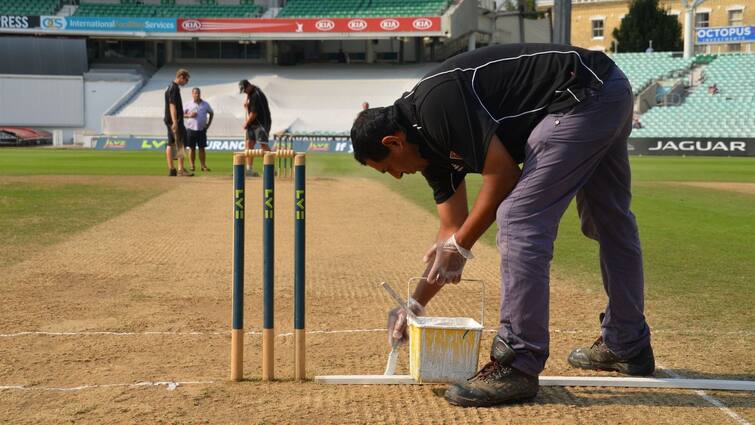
(564, 114)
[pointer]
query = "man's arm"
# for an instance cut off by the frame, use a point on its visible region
(452, 214)
(251, 114)
(209, 121)
(173, 116)
(499, 176)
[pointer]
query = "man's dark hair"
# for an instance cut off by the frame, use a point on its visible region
(368, 131)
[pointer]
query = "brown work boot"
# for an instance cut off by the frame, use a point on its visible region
(600, 357)
(496, 383)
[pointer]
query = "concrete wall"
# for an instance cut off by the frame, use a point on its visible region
(461, 18)
(42, 100)
(645, 99)
(99, 96)
(43, 56)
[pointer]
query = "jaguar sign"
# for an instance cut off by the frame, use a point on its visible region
(692, 146)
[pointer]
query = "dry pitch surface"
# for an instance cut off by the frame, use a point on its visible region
(145, 298)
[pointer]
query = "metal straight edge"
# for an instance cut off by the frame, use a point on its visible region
(564, 381)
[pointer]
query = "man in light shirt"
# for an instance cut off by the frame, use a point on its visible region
(196, 114)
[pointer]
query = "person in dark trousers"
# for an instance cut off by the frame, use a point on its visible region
(199, 115)
(174, 121)
(257, 120)
(564, 114)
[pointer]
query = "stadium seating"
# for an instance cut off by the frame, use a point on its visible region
(728, 113)
(303, 99)
(206, 9)
(644, 68)
(362, 8)
(29, 7)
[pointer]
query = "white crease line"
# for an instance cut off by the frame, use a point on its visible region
(169, 385)
(341, 331)
(710, 399)
(105, 333)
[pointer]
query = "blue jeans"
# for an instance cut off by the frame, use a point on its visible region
(582, 153)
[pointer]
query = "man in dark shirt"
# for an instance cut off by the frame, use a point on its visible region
(174, 120)
(257, 120)
(562, 112)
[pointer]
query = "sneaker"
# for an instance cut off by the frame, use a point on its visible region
(192, 169)
(205, 169)
(252, 173)
(172, 172)
(496, 383)
(184, 173)
(600, 357)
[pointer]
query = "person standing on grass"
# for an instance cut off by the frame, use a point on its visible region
(257, 120)
(174, 120)
(198, 114)
(565, 114)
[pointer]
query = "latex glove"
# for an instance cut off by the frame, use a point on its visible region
(449, 262)
(430, 254)
(397, 321)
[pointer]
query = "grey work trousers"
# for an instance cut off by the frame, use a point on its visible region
(581, 152)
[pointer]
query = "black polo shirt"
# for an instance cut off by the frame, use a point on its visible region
(173, 95)
(453, 112)
(257, 103)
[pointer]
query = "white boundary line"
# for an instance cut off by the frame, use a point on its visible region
(712, 400)
(338, 331)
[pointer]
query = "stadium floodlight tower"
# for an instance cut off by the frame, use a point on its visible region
(689, 20)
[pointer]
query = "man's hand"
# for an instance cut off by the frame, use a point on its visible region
(174, 127)
(430, 254)
(397, 321)
(450, 258)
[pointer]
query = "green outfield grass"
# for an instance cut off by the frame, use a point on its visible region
(697, 242)
(34, 215)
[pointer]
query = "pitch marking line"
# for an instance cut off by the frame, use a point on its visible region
(710, 399)
(340, 331)
(169, 385)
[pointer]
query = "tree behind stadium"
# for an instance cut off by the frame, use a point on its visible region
(646, 21)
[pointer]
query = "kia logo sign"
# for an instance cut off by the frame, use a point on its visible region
(191, 25)
(422, 24)
(357, 25)
(389, 24)
(325, 25)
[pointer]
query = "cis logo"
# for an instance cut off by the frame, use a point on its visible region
(53, 22)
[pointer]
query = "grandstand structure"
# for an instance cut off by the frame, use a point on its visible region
(644, 68)
(29, 7)
(306, 99)
(727, 111)
(206, 9)
(362, 8)
(317, 61)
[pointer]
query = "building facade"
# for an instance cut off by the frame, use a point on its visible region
(593, 21)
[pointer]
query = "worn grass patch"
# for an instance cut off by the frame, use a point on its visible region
(35, 215)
